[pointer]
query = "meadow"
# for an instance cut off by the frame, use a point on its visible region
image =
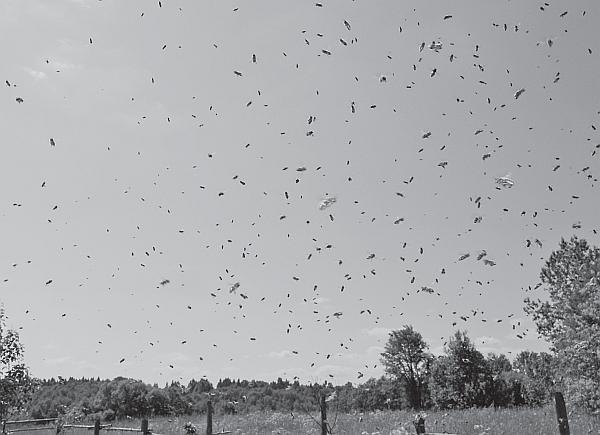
(475, 421)
(465, 422)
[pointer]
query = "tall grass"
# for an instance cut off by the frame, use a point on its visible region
(485, 421)
(471, 421)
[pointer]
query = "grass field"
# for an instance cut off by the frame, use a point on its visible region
(481, 421)
(476, 421)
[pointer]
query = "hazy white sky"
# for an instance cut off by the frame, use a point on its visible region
(168, 165)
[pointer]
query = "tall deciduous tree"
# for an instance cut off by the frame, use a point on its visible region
(538, 372)
(507, 386)
(15, 383)
(405, 358)
(570, 317)
(461, 378)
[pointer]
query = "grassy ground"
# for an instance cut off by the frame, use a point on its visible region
(481, 421)
(476, 421)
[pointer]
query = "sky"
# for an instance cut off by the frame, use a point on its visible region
(164, 164)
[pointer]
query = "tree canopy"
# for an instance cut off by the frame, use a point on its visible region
(569, 318)
(405, 358)
(461, 378)
(15, 382)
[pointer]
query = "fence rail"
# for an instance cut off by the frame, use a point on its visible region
(57, 428)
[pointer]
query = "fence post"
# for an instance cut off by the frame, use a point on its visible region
(144, 428)
(209, 411)
(324, 430)
(561, 414)
(97, 427)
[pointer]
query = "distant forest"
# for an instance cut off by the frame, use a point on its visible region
(525, 382)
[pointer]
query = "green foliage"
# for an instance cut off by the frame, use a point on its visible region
(462, 377)
(498, 364)
(378, 394)
(406, 359)
(570, 318)
(158, 402)
(459, 379)
(538, 376)
(120, 398)
(506, 385)
(16, 385)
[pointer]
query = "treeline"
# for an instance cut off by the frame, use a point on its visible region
(463, 377)
(525, 382)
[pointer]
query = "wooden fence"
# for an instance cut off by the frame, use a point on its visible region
(96, 427)
(326, 428)
(59, 428)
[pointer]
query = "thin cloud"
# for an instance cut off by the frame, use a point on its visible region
(82, 3)
(58, 361)
(378, 332)
(280, 354)
(37, 75)
(64, 66)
